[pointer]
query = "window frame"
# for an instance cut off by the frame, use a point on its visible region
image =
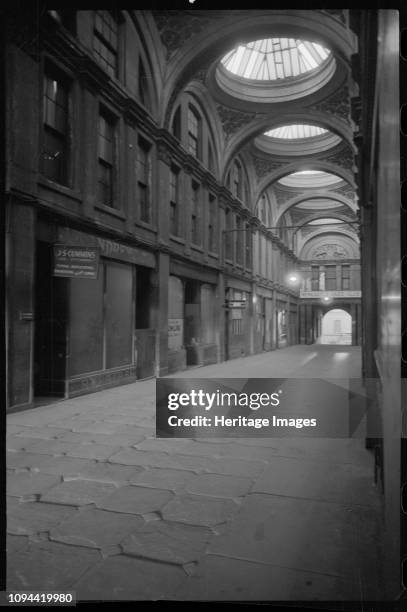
(52, 72)
(142, 142)
(112, 165)
(99, 35)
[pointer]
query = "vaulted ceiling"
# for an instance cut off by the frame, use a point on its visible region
(278, 86)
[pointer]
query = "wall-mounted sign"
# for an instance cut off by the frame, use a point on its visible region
(331, 294)
(236, 303)
(76, 261)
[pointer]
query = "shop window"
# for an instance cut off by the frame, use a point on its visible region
(105, 41)
(208, 314)
(175, 313)
(86, 325)
(118, 314)
(143, 297)
(345, 278)
(144, 180)
(174, 201)
(176, 124)
(194, 128)
(196, 237)
(330, 278)
(212, 225)
(314, 278)
(55, 151)
(106, 158)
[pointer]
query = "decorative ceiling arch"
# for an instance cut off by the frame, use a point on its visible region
(219, 32)
(310, 243)
(303, 164)
(299, 198)
(341, 217)
(247, 128)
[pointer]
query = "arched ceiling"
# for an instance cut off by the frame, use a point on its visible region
(279, 83)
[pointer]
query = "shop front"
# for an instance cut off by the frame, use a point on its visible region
(94, 327)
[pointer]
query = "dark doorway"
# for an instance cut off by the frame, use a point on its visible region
(145, 335)
(50, 343)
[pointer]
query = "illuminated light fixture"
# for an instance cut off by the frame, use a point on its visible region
(326, 299)
(272, 59)
(293, 278)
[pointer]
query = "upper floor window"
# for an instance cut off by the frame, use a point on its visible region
(193, 132)
(345, 278)
(236, 180)
(195, 215)
(248, 243)
(144, 179)
(212, 224)
(106, 157)
(211, 159)
(174, 197)
(315, 278)
(105, 41)
(143, 86)
(239, 240)
(56, 127)
(176, 123)
(330, 278)
(228, 234)
(66, 18)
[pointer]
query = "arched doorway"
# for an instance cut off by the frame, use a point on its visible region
(336, 327)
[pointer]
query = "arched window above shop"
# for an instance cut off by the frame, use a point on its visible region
(176, 123)
(194, 131)
(143, 85)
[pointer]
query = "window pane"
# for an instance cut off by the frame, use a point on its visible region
(54, 156)
(105, 184)
(119, 314)
(86, 325)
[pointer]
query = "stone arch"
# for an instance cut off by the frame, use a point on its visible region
(315, 195)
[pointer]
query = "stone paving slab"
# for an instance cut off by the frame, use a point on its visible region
(16, 543)
(215, 485)
(48, 566)
(46, 463)
(226, 579)
(126, 578)
(136, 500)
(284, 531)
(92, 451)
(96, 528)
(346, 484)
(27, 484)
(168, 542)
(44, 433)
(48, 447)
(195, 463)
(28, 518)
(79, 492)
(117, 440)
(161, 478)
(100, 471)
(197, 510)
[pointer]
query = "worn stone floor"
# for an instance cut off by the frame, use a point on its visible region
(99, 506)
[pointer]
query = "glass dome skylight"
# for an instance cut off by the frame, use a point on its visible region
(296, 131)
(310, 179)
(274, 58)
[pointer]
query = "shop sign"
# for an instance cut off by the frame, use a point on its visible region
(236, 303)
(76, 261)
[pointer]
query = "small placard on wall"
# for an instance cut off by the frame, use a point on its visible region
(76, 261)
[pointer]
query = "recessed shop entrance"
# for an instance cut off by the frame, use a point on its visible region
(50, 335)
